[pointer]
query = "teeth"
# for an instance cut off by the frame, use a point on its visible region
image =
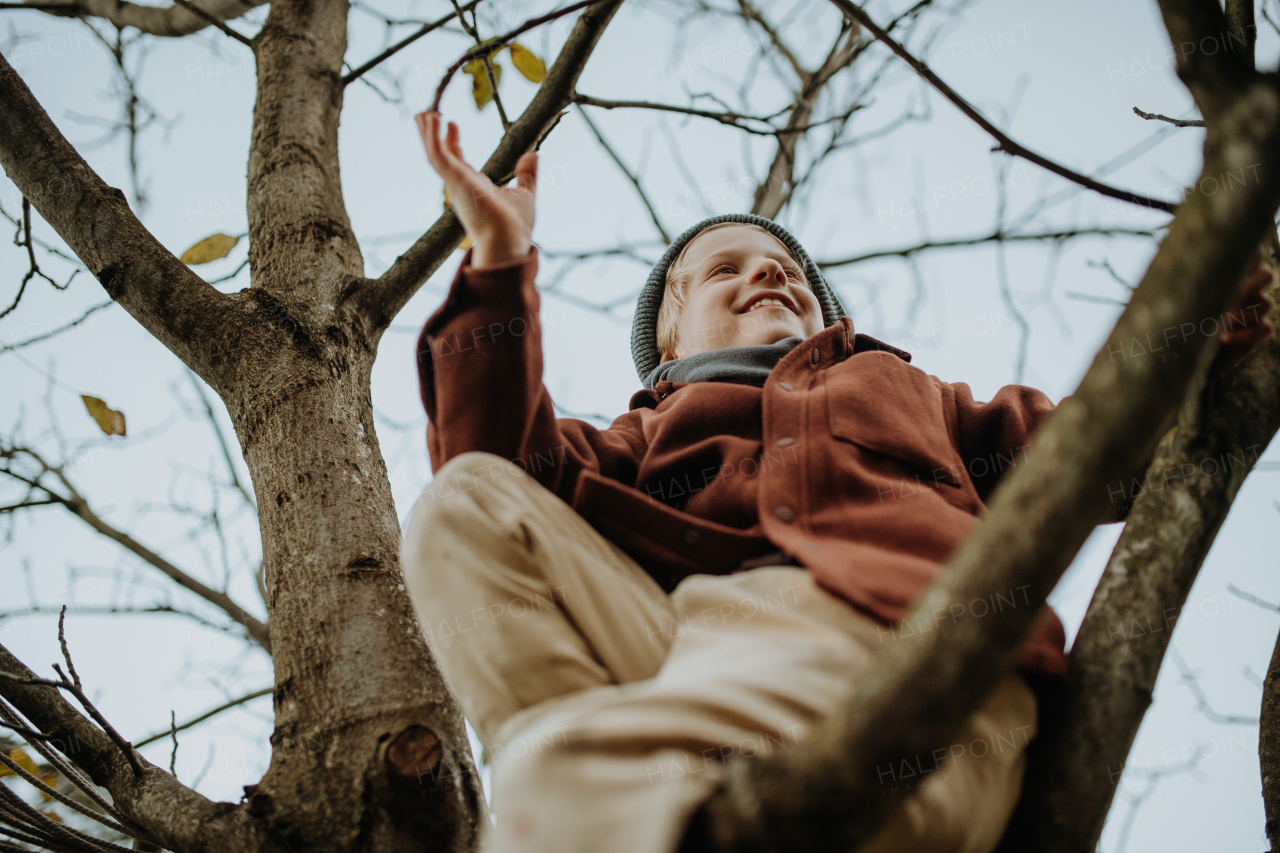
(767, 302)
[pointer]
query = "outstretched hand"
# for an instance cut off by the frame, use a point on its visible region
(499, 220)
(1246, 324)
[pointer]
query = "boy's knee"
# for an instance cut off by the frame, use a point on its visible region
(470, 488)
(475, 473)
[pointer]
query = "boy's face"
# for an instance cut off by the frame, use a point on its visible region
(744, 289)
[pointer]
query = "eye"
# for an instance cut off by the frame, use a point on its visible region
(721, 269)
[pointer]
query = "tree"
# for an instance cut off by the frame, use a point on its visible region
(290, 358)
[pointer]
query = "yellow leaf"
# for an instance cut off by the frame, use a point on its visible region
(211, 248)
(52, 814)
(20, 758)
(480, 89)
(528, 63)
(109, 420)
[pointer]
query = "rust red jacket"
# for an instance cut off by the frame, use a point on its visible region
(864, 469)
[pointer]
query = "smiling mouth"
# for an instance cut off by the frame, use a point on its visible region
(769, 302)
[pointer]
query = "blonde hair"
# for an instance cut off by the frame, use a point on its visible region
(668, 328)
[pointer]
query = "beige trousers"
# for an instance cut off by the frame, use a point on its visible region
(608, 707)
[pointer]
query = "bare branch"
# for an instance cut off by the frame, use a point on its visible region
(497, 43)
(174, 729)
(775, 190)
(635, 182)
(178, 818)
(169, 21)
(171, 301)
(1176, 122)
(474, 31)
(726, 117)
(23, 240)
(998, 236)
(391, 51)
(379, 300)
(257, 630)
(1006, 143)
(47, 335)
(751, 13)
(217, 22)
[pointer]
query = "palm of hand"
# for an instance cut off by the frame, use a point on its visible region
(499, 220)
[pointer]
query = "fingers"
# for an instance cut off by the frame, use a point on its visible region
(429, 129)
(453, 143)
(527, 171)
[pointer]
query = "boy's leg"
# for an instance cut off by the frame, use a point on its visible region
(520, 598)
(757, 660)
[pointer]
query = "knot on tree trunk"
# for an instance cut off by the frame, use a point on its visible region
(413, 753)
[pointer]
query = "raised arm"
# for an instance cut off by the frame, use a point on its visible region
(480, 353)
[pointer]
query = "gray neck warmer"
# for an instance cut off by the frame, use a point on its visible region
(742, 365)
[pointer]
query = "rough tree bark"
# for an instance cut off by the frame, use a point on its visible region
(369, 751)
(1269, 748)
(1181, 503)
(824, 794)
(172, 21)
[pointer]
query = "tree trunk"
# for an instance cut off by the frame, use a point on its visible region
(1269, 748)
(368, 742)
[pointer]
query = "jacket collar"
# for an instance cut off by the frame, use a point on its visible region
(841, 332)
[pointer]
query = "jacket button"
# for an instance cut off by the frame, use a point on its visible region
(786, 441)
(785, 514)
(786, 386)
(814, 356)
(691, 537)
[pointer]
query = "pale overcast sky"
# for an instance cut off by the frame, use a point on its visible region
(1061, 78)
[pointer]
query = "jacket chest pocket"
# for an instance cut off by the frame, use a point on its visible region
(877, 401)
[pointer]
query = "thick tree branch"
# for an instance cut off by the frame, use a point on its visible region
(379, 300)
(179, 818)
(920, 693)
(1007, 144)
(172, 21)
(1180, 505)
(164, 295)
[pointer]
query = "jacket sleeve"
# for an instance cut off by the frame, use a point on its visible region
(480, 376)
(994, 437)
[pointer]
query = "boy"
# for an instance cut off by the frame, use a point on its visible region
(620, 611)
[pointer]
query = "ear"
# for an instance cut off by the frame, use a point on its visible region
(666, 356)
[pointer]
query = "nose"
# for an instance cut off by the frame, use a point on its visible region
(768, 268)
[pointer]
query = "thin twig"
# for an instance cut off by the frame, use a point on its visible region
(499, 42)
(635, 181)
(403, 43)
(196, 10)
(994, 237)
(206, 715)
(1176, 122)
(54, 793)
(474, 31)
(1006, 143)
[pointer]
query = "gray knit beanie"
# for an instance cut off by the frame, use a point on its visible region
(644, 328)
